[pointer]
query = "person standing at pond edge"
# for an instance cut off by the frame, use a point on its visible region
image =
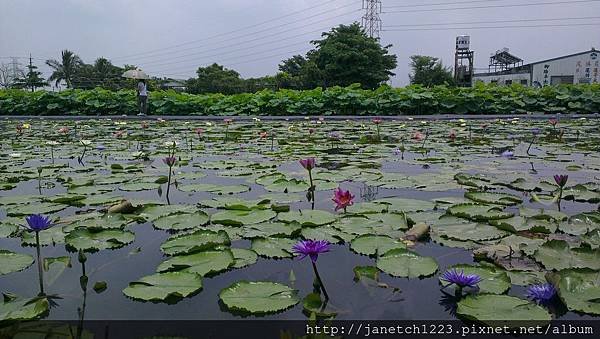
(142, 94)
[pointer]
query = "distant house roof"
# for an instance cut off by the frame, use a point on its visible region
(564, 56)
(504, 57)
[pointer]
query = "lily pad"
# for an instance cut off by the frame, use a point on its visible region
(202, 263)
(241, 217)
(200, 240)
(273, 247)
(164, 286)
(478, 212)
(13, 262)
(375, 245)
(15, 308)
(87, 240)
(182, 221)
(558, 255)
(579, 289)
(308, 218)
(260, 297)
(404, 263)
(492, 309)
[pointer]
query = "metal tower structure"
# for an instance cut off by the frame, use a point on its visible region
(370, 21)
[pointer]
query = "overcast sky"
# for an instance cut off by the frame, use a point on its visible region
(174, 37)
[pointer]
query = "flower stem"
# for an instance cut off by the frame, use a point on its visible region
(314, 265)
(39, 262)
(560, 193)
(169, 185)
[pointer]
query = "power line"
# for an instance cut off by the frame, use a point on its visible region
(225, 33)
(441, 3)
(492, 22)
(252, 40)
(491, 27)
(491, 6)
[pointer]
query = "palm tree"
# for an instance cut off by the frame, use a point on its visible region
(64, 70)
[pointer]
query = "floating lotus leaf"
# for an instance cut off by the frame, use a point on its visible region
(88, 240)
(582, 194)
(241, 217)
(406, 205)
(494, 198)
(579, 289)
(232, 203)
(546, 214)
(478, 212)
(153, 212)
(520, 224)
(493, 309)
(460, 229)
(13, 262)
(325, 233)
(273, 247)
(51, 236)
(139, 186)
(558, 255)
(243, 257)
(182, 221)
(34, 208)
(258, 297)
(375, 244)
(308, 218)
(202, 263)
(164, 286)
(200, 240)
(404, 263)
(15, 308)
(271, 229)
(493, 281)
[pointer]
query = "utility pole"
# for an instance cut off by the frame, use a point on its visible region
(370, 21)
(31, 71)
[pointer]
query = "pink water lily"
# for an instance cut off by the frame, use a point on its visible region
(342, 199)
(308, 163)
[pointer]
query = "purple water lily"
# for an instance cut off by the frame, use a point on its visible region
(312, 249)
(541, 293)
(460, 279)
(38, 222)
(561, 179)
(508, 154)
(308, 163)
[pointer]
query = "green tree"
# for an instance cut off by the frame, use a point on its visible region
(429, 71)
(65, 69)
(293, 66)
(32, 79)
(347, 55)
(216, 79)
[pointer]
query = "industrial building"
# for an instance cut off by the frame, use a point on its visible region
(505, 69)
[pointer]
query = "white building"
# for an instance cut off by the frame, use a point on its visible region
(506, 69)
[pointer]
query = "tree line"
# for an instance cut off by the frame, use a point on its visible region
(343, 56)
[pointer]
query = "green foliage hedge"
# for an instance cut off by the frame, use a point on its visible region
(414, 100)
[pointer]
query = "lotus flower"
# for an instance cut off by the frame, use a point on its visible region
(452, 135)
(310, 248)
(38, 222)
(63, 130)
(144, 125)
(541, 293)
(460, 279)
(308, 163)
(377, 121)
(263, 135)
(561, 180)
(342, 199)
(199, 131)
(553, 122)
(418, 136)
(227, 121)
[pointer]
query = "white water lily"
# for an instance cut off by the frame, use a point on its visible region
(208, 123)
(120, 123)
(172, 143)
(15, 155)
(410, 119)
(424, 122)
(461, 120)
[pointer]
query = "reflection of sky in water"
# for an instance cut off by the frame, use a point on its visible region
(418, 299)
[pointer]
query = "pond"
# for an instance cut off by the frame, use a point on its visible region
(427, 196)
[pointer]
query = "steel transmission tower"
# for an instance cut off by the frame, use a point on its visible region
(371, 22)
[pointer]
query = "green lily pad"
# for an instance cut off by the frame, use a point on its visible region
(200, 240)
(164, 286)
(478, 212)
(404, 263)
(15, 308)
(494, 198)
(579, 289)
(557, 255)
(182, 221)
(273, 247)
(375, 245)
(202, 263)
(492, 309)
(271, 229)
(241, 217)
(14, 262)
(309, 218)
(260, 297)
(243, 257)
(87, 240)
